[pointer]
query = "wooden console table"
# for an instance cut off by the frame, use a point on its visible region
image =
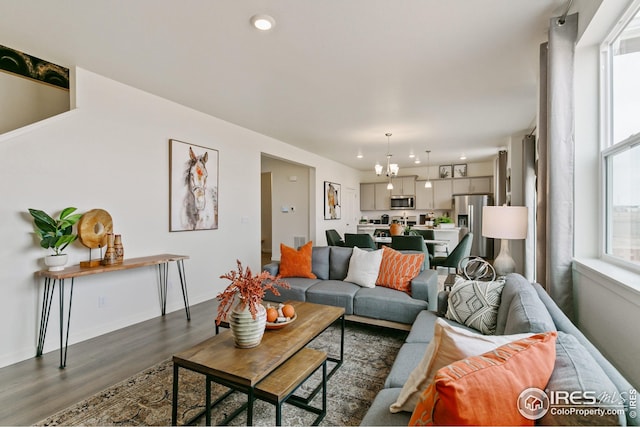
(51, 277)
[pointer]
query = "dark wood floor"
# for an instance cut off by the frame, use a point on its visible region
(36, 388)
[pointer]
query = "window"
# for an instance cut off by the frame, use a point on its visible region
(621, 139)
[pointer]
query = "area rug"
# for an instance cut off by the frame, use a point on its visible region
(145, 398)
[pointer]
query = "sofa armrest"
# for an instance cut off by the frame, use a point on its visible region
(425, 287)
(272, 268)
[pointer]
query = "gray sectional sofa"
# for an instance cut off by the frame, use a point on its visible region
(524, 307)
(331, 263)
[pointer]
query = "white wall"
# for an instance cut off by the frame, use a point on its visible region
(112, 153)
(26, 101)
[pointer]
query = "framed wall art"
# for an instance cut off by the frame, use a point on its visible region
(446, 171)
(193, 187)
(460, 170)
(331, 200)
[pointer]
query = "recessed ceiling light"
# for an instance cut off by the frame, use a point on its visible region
(263, 22)
(416, 161)
(411, 156)
(359, 155)
(463, 157)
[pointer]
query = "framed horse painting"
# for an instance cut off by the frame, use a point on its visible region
(193, 187)
(331, 200)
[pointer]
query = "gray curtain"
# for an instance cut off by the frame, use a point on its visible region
(555, 161)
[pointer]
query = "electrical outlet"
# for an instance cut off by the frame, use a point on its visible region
(102, 302)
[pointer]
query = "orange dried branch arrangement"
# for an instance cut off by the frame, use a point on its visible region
(250, 288)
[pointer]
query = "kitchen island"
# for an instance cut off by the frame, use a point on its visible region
(452, 235)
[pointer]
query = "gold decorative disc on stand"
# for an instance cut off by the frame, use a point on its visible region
(93, 227)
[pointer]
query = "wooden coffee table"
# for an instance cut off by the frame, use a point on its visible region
(242, 369)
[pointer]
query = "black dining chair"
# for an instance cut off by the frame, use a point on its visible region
(361, 240)
(333, 238)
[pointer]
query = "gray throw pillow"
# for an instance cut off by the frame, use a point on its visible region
(475, 304)
(575, 370)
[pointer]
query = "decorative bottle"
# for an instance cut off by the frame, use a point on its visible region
(117, 245)
(110, 254)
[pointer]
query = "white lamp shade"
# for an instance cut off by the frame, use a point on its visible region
(378, 167)
(427, 184)
(394, 169)
(504, 222)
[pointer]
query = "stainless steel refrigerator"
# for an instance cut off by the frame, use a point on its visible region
(467, 212)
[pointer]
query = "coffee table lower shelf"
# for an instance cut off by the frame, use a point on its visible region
(257, 373)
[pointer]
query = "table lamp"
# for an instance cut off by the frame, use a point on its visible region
(506, 223)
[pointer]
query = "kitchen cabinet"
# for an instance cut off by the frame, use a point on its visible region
(404, 186)
(442, 192)
(424, 196)
(375, 197)
(383, 197)
(472, 185)
(367, 197)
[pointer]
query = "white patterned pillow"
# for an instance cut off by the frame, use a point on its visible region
(475, 304)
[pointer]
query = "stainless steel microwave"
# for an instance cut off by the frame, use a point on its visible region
(403, 202)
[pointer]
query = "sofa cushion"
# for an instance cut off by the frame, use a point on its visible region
(407, 359)
(333, 292)
(475, 304)
(387, 304)
(397, 269)
(379, 415)
(423, 327)
(364, 267)
(521, 310)
(576, 370)
(339, 262)
(297, 291)
(483, 390)
(320, 262)
(296, 263)
(450, 344)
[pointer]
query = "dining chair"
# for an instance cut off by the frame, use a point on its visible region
(412, 243)
(361, 240)
(333, 238)
(461, 251)
(428, 234)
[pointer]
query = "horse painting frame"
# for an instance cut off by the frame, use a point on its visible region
(332, 205)
(193, 187)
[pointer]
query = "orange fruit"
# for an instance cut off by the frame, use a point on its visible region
(288, 311)
(272, 314)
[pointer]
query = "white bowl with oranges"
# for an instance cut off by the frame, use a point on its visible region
(280, 316)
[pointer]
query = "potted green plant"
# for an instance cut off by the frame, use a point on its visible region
(443, 220)
(55, 234)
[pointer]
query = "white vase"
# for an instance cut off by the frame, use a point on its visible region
(247, 331)
(56, 262)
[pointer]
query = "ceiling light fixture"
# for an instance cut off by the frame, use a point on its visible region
(427, 183)
(392, 168)
(263, 22)
(463, 156)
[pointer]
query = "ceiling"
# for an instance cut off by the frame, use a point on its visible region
(332, 77)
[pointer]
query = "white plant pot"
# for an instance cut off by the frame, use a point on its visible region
(446, 225)
(56, 262)
(247, 331)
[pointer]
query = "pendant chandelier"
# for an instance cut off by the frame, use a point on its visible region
(427, 183)
(392, 168)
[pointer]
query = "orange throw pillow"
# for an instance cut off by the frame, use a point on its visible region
(397, 269)
(484, 390)
(296, 263)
